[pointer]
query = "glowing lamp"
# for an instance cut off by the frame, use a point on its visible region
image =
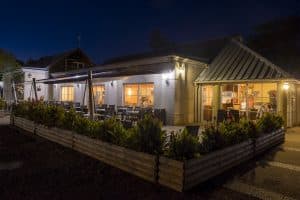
(286, 86)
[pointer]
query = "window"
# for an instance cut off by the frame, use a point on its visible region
(262, 94)
(233, 96)
(139, 94)
(98, 91)
(207, 96)
(67, 93)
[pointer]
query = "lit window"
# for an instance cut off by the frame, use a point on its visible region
(67, 93)
(207, 96)
(139, 94)
(98, 91)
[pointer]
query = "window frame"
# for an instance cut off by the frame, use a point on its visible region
(138, 93)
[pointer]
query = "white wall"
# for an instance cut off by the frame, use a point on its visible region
(38, 74)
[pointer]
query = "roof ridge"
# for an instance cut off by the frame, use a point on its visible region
(262, 58)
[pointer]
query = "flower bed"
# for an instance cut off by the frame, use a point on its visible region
(180, 163)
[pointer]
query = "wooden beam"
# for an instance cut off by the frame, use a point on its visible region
(34, 88)
(91, 99)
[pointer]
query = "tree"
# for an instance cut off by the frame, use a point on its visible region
(279, 41)
(158, 41)
(8, 62)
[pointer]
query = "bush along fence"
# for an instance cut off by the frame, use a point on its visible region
(179, 162)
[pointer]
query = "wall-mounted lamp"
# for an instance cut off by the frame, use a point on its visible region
(167, 76)
(286, 86)
(29, 75)
(112, 83)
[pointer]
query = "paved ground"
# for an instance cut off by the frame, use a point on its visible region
(33, 168)
(276, 175)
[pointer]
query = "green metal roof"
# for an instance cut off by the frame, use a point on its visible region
(237, 62)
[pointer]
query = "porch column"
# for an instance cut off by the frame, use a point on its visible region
(282, 102)
(216, 101)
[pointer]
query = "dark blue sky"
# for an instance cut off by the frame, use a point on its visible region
(31, 29)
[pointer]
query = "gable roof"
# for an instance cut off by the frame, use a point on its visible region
(237, 62)
(48, 61)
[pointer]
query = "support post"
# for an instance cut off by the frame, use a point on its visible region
(216, 101)
(14, 92)
(91, 99)
(34, 89)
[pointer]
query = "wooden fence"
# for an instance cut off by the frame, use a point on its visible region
(182, 176)
(177, 175)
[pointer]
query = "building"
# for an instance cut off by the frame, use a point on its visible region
(229, 79)
(239, 79)
(161, 82)
(19, 84)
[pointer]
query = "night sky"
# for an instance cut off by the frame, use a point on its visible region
(31, 29)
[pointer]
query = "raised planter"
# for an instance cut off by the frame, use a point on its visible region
(137, 163)
(183, 175)
(267, 141)
(60, 136)
(140, 164)
(177, 175)
(24, 124)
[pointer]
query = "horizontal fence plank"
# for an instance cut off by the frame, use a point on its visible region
(114, 148)
(129, 159)
(121, 164)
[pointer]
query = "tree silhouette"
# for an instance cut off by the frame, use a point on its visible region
(158, 41)
(279, 41)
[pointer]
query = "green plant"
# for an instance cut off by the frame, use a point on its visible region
(54, 116)
(183, 146)
(147, 136)
(2, 104)
(249, 128)
(211, 140)
(269, 122)
(69, 120)
(112, 131)
(232, 132)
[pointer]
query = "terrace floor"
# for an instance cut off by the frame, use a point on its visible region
(34, 168)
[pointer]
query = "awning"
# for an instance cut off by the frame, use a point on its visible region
(110, 73)
(236, 62)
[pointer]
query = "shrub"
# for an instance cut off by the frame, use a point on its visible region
(211, 140)
(54, 116)
(20, 110)
(249, 128)
(269, 123)
(69, 120)
(147, 136)
(2, 104)
(112, 131)
(232, 132)
(183, 146)
(85, 126)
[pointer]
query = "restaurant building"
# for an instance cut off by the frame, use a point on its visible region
(191, 88)
(157, 82)
(243, 82)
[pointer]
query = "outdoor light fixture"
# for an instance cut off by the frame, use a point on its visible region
(286, 86)
(112, 83)
(180, 68)
(29, 75)
(167, 76)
